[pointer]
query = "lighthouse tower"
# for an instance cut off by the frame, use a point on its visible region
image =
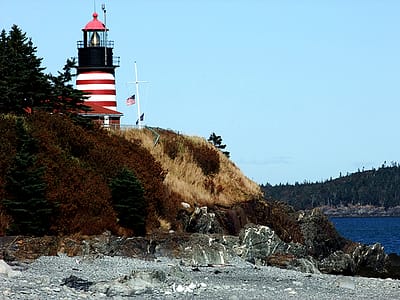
(96, 73)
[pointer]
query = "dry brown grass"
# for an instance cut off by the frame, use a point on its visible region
(186, 178)
(165, 226)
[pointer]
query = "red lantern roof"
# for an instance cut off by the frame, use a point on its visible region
(94, 25)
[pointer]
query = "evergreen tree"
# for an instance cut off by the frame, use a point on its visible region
(216, 140)
(63, 97)
(25, 87)
(128, 201)
(26, 189)
(22, 81)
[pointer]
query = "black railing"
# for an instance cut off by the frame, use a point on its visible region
(108, 44)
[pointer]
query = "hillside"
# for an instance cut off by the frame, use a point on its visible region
(373, 188)
(77, 165)
(71, 187)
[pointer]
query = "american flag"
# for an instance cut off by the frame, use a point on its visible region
(131, 100)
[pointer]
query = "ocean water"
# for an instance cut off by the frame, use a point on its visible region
(383, 230)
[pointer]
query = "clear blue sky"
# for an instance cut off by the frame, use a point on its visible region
(298, 90)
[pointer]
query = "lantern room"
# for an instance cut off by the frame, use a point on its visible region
(96, 50)
(94, 32)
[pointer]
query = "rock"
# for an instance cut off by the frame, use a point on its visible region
(305, 265)
(323, 249)
(185, 205)
(77, 283)
(139, 282)
(393, 265)
(27, 248)
(280, 260)
(206, 250)
(6, 270)
(338, 263)
(345, 282)
(180, 288)
(320, 236)
(257, 243)
(370, 260)
(203, 221)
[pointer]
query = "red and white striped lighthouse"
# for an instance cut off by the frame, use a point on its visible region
(96, 71)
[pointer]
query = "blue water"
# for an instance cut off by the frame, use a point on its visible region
(385, 230)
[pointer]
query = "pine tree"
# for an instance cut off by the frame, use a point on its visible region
(25, 189)
(128, 201)
(22, 82)
(63, 97)
(216, 140)
(25, 87)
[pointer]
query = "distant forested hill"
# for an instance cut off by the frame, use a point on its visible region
(377, 187)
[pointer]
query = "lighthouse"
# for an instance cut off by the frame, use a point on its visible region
(96, 73)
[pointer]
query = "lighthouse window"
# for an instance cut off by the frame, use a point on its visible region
(95, 39)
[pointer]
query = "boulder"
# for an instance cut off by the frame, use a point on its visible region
(320, 236)
(257, 243)
(338, 263)
(77, 283)
(370, 260)
(208, 250)
(203, 221)
(6, 270)
(137, 283)
(305, 265)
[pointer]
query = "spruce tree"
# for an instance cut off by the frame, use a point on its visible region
(26, 189)
(25, 87)
(63, 97)
(128, 201)
(23, 84)
(216, 140)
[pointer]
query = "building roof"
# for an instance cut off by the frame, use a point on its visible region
(97, 110)
(94, 25)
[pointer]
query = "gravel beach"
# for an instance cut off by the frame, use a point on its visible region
(62, 277)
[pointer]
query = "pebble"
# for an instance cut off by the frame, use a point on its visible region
(43, 279)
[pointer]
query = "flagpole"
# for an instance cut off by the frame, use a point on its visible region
(137, 98)
(103, 7)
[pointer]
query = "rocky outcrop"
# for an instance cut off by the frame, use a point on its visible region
(303, 240)
(320, 236)
(256, 244)
(261, 246)
(370, 260)
(338, 263)
(201, 220)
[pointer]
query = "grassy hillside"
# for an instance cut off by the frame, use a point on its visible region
(80, 163)
(196, 170)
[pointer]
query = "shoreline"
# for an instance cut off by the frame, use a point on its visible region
(361, 216)
(360, 211)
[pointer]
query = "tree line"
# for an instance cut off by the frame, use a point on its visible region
(377, 187)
